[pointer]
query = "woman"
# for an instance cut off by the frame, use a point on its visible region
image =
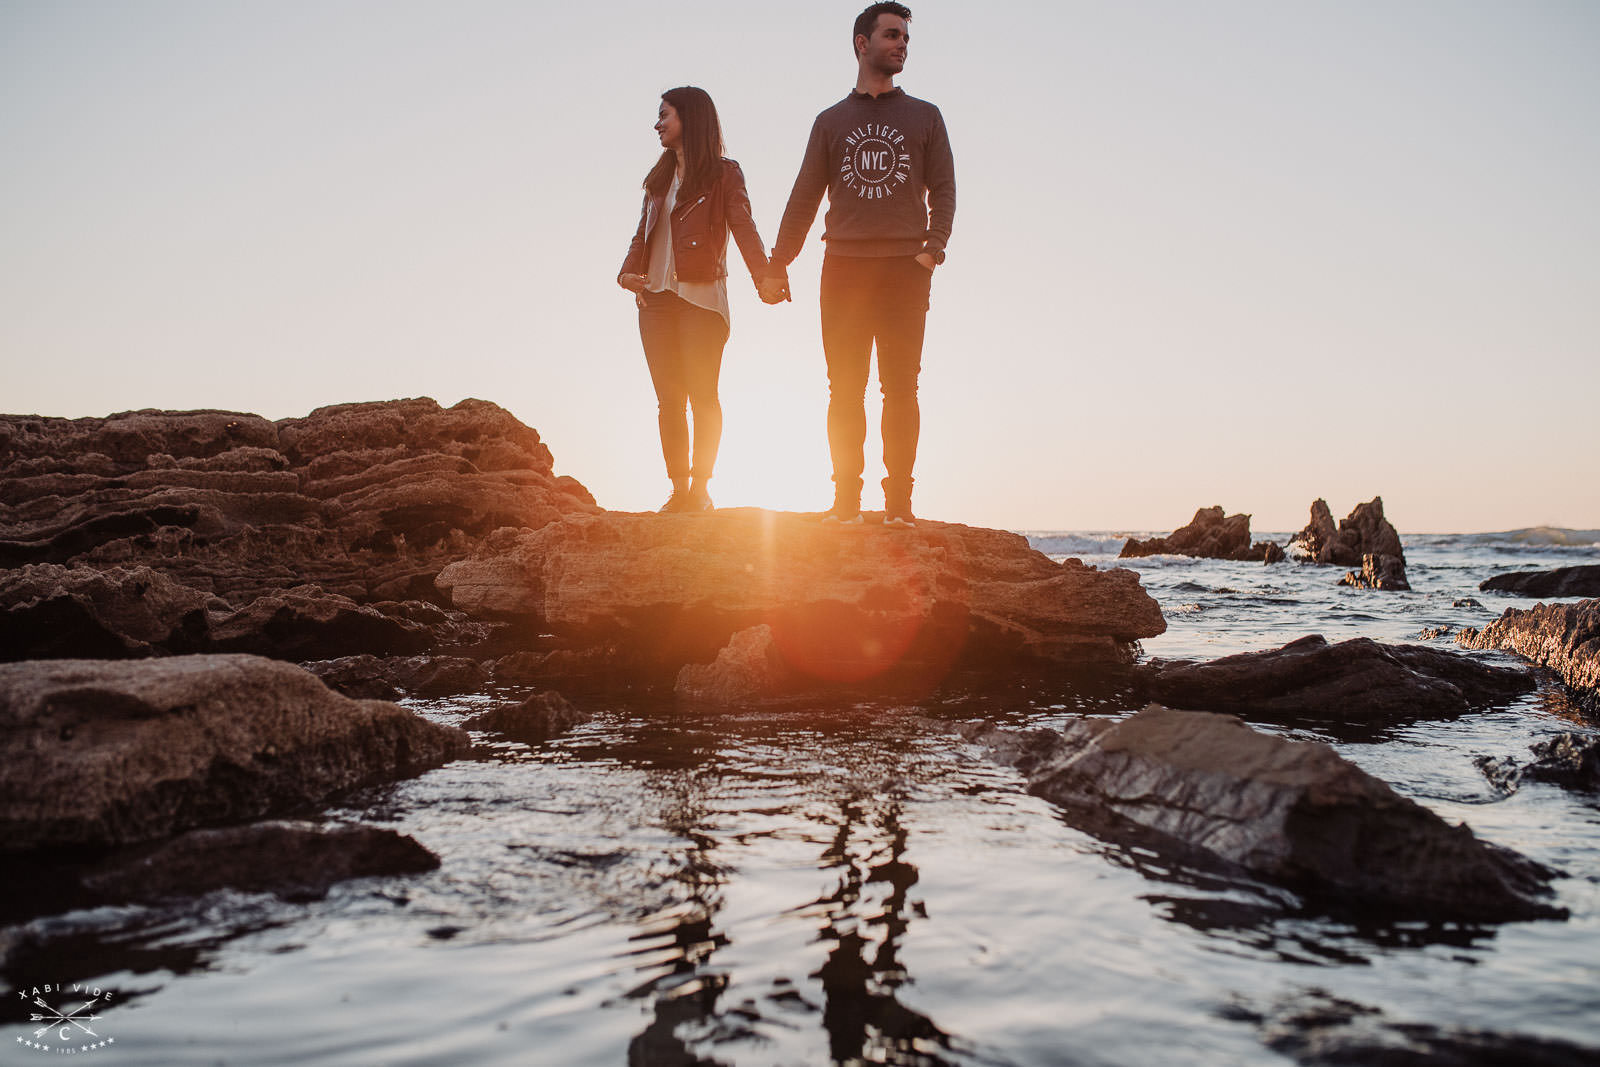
(677, 269)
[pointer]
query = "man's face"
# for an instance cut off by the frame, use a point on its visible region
(886, 48)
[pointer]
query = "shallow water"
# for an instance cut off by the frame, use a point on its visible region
(861, 885)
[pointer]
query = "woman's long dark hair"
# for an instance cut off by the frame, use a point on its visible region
(702, 145)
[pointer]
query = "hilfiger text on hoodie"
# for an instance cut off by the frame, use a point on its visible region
(886, 165)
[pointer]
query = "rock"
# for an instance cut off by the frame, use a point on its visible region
(588, 669)
(49, 611)
(1355, 682)
(1378, 572)
(1561, 582)
(749, 668)
(1433, 633)
(1563, 637)
(1567, 759)
(364, 502)
(295, 860)
(439, 676)
(363, 677)
(1364, 533)
(307, 622)
(535, 719)
(845, 605)
(102, 753)
(1291, 811)
(1208, 536)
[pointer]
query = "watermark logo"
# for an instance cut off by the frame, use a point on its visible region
(68, 1018)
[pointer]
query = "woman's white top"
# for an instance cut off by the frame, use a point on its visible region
(663, 276)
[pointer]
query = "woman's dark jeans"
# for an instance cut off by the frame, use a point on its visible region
(683, 344)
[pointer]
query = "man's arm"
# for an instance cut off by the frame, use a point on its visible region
(804, 199)
(940, 173)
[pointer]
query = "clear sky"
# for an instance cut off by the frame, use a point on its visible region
(1242, 252)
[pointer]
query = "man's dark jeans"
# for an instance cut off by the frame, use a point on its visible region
(683, 344)
(865, 301)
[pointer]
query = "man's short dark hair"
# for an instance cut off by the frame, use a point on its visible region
(868, 19)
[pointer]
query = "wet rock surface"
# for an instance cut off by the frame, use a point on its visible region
(1354, 683)
(106, 753)
(1563, 637)
(302, 538)
(1560, 582)
(1292, 811)
(844, 604)
(748, 669)
(295, 860)
(1362, 534)
(1209, 535)
(540, 716)
(1571, 760)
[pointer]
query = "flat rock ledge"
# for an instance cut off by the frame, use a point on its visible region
(1355, 683)
(97, 753)
(1294, 812)
(1563, 637)
(1209, 535)
(1560, 582)
(845, 604)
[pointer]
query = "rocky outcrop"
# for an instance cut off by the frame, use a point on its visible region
(535, 719)
(1364, 533)
(1209, 535)
(1561, 582)
(1292, 811)
(1568, 759)
(748, 669)
(305, 537)
(294, 860)
(845, 604)
(1563, 637)
(1359, 682)
(104, 753)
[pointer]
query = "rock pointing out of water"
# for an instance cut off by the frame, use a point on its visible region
(1209, 535)
(1365, 539)
(1292, 811)
(101, 753)
(1355, 682)
(1563, 637)
(845, 604)
(1561, 582)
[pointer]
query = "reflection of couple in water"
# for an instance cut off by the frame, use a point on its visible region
(884, 160)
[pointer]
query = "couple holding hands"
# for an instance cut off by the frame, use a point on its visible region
(884, 160)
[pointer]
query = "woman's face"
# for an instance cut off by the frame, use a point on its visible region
(669, 126)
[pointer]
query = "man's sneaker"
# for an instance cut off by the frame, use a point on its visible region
(846, 511)
(697, 499)
(898, 513)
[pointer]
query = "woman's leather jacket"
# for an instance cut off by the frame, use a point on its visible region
(700, 228)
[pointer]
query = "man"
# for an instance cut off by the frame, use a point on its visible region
(884, 159)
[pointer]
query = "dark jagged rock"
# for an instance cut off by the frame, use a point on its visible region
(538, 717)
(845, 604)
(1365, 532)
(749, 668)
(587, 669)
(295, 860)
(1355, 682)
(1209, 535)
(1292, 811)
(1568, 759)
(48, 611)
(363, 677)
(1561, 582)
(102, 753)
(1563, 637)
(356, 505)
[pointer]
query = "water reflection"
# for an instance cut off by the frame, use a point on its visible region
(865, 917)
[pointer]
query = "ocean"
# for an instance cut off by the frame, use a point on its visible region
(782, 887)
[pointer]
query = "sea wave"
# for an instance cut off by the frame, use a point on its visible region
(1077, 543)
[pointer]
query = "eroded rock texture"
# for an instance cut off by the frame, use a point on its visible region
(153, 532)
(1364, 533)
(1292, 811)
(845, 604)
(1209, 535)
(1563, 637)
(103, 753)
